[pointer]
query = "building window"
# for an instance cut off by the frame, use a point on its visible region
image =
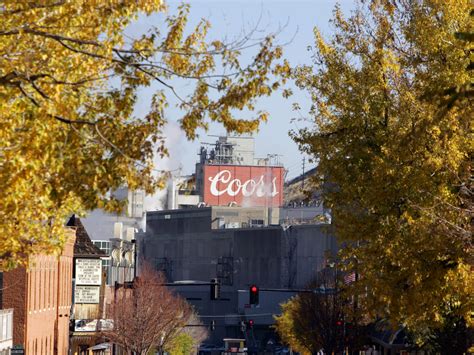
(51, 288)
(33, 288)
(43, 291)
(256, 223)
(53, 295)
(30, 282)
(103, 245)
(48, 283)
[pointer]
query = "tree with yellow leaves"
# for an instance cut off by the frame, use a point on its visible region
(69, 80)
(395, 158)
(286, 329)
(322, 318)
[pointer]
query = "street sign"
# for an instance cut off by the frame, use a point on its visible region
(88, 271)
(87, 294)
(18, 350)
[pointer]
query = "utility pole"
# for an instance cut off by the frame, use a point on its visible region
(302, 184)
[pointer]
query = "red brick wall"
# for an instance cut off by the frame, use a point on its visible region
(41, 320)
(41, 296)
(64, 292)
(14, 296)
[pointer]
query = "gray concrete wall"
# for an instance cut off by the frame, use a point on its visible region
(314, 243)
(270, 256)
(257, 257)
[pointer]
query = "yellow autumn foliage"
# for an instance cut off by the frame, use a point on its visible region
(69, 81)
(285, 327)
(395, 154)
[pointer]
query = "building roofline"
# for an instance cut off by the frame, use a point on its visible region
(243, 165)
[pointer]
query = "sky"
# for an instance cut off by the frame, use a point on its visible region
(295, 21)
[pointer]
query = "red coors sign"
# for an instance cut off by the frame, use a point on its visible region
(247, 186)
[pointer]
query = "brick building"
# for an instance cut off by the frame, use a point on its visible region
(40, 295)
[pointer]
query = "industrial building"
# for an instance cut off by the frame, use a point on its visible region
(230, 221)
(228, 172)
(193, 244)
(190, 244)
(233, 219)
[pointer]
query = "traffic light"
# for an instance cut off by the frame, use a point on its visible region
(213, 325)
(253, 291)
(250, 323)
(215, 289)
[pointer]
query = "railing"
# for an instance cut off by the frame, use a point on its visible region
(188, 192)
(6, 329)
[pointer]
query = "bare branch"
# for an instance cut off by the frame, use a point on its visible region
(147, 315)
